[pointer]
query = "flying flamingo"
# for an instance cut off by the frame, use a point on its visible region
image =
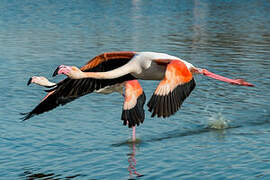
(112, 71)
(130, 86)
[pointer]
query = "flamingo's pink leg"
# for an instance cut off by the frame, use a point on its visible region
(133, 134)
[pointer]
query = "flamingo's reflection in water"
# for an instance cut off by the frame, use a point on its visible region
(132, 161)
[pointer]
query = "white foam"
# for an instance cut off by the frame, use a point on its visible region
(218, 121)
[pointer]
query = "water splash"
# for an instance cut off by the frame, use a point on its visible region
(218, 121)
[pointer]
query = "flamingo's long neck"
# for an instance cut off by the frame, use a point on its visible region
(118, 72)
(239, 82)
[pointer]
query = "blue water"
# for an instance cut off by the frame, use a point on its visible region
(86, 139)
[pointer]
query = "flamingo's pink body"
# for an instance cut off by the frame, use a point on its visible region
(110, 72)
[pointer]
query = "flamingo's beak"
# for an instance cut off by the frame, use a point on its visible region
(56, 71)
(29, 81)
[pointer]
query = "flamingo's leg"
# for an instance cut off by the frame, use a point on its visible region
(133, 133)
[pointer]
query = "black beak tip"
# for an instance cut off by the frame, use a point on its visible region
(55, 72)
(29, 81)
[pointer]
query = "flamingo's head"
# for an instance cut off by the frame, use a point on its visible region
(40, 80)
(71, 71)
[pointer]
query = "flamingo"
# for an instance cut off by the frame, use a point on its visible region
(114, 71)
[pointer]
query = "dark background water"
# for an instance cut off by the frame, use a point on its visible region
(86, 140)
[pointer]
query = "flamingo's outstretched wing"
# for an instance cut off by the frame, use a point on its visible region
(171, 92)
(133, 112)
(70, 89)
